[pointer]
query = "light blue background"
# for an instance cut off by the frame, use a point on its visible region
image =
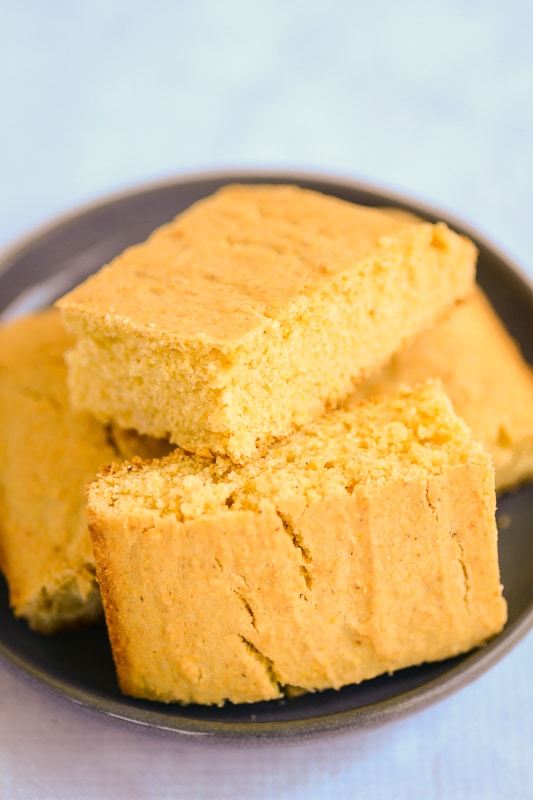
(434, 99)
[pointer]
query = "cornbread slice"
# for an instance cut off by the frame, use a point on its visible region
(362, 544)
(252, 312)
(47, 455)
(485, 376)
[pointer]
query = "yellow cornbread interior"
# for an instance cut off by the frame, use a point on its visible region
(253, 312)
(386, 439)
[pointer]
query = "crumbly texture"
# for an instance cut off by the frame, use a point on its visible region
(485, 376)
(362, 544)
(253, 312)
(48, 453)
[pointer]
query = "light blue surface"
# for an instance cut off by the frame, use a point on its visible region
(433, 99)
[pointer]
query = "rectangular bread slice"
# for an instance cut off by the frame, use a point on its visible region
(362, 544)
(252, 312)
(485, 376)
(47, 455)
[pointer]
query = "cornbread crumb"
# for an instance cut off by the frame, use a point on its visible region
(485, 376)
(253, 312)
(363, 543)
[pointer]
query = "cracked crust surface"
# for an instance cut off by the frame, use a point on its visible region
(362, 544)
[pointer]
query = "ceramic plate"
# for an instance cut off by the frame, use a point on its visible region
(79, 665)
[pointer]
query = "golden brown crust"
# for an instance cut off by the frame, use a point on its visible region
(229, 263)
(47, 455)
(312, 584)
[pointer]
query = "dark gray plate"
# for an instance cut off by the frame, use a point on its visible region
(79, 665)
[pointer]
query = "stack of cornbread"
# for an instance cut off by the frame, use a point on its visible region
(287, 497)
